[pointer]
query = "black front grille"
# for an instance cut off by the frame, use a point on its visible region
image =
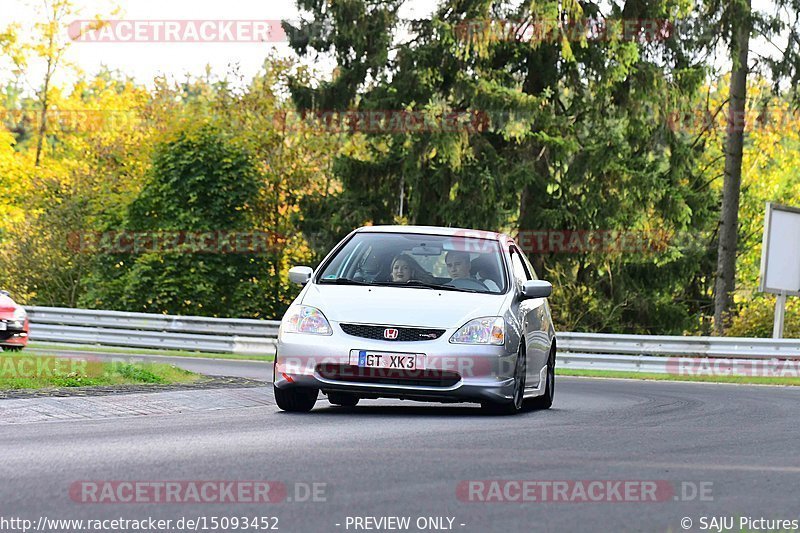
(403, 334)
(11, 329)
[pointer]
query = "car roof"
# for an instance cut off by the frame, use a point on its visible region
(435, 230)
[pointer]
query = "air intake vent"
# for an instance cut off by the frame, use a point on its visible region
(392, 333)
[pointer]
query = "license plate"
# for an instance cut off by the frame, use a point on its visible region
(395, 361)
(3, 326)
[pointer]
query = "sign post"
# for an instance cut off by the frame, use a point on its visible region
(780, 314)
(780, 259)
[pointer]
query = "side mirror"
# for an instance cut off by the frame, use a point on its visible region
(536, 289)
(300, 274)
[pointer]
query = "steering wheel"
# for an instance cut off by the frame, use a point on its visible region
(467, 283)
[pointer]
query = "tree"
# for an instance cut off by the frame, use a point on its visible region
(575, 137)
(738, 23)
(203, 183)
(49, 45)
(740, 14)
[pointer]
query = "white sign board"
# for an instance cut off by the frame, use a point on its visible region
(780, 255)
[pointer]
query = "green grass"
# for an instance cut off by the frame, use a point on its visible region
(41, 346)
(750, 380)
(24, 372)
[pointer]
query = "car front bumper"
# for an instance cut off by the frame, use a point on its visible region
(451, 373)
(13, 333)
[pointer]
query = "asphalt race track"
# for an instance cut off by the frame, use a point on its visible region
(391, 458)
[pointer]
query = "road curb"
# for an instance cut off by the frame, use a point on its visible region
(75, 408)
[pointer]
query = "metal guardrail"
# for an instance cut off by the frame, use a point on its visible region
(142, 330)
(661, 354)
(598, 351)
(644, 364)
(662, 345)
(145, 321)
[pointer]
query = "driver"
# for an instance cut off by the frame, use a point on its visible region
(405, 269)
(459, 265)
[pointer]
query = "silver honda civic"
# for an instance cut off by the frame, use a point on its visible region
(419, 313)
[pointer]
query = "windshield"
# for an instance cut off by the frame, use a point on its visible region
(413, 260)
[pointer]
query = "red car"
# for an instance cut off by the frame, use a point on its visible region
(14, 325)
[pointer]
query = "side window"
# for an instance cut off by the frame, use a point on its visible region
(530, 266)
(521, 273)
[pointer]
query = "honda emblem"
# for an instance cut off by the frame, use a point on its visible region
(390, 333)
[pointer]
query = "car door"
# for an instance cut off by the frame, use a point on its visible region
(531, 315)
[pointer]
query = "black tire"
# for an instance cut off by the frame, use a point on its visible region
(516, 405)
(296, 399)
(546, 400)
(343, 399)
(12, 348)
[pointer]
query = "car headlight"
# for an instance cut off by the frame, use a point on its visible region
(20, 315)
(489, 330)
(305, 319)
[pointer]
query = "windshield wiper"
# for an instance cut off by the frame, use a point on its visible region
(410, 284)
(344, 281)
(416, 284)
(422, 285)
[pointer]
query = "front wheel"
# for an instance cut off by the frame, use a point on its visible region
(296, 399)
(518, 398)
(12, 348)
(546, 400)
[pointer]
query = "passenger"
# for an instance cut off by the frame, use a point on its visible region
(405, 269)
(459, 266)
